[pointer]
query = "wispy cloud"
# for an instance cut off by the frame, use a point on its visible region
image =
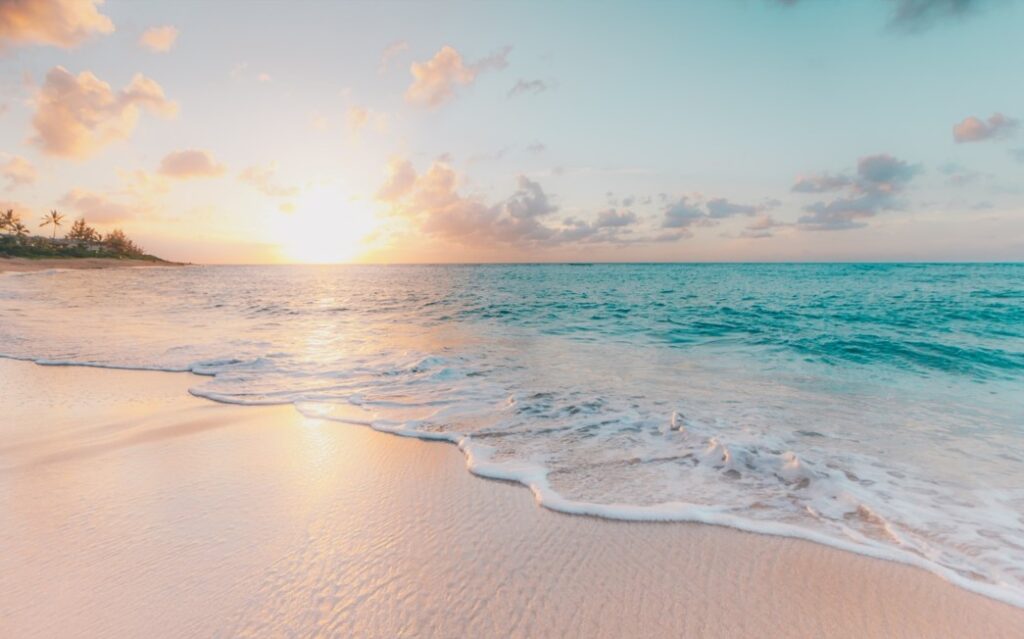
(264, 179)
(821, 183)
(390, 52)
(358, 118)
(917, 15)
(523, 87)
(880, 180)
(96, 207)
(694, 210)
(17, 171)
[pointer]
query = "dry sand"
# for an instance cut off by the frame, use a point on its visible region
(130, 509)
(24, 264)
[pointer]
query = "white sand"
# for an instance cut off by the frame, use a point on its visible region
(129, 509)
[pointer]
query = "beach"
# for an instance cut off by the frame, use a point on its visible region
(133, 509)
(26, 265)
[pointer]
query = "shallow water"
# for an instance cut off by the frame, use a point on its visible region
(878, 408)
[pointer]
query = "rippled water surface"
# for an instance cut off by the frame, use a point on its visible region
(879, 408)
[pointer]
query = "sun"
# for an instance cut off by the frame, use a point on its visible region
(324, 226)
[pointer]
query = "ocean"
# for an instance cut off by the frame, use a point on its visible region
(877, 408)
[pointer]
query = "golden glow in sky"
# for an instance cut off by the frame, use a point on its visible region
(324, 225)
(319, 132)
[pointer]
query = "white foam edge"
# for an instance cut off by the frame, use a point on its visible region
(534, 477)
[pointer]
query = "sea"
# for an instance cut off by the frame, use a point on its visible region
(876, 408)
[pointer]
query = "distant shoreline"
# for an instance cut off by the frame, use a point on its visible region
(29, 264)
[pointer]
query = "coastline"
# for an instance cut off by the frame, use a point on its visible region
(128, 503)
(28, 265)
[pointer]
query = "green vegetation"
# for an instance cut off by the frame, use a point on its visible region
(81, 241)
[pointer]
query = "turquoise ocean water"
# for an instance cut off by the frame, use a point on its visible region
(876, 408)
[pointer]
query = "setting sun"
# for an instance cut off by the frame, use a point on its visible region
(325, 225)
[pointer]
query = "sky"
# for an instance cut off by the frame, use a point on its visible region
(715, 130)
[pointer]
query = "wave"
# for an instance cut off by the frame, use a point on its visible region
(865, 408)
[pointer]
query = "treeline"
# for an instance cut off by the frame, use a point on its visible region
(81, 240)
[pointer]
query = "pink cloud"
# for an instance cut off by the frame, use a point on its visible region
(436, 80)
(159, 39)
(972, 129)
(192, 163)
(18, 171)
(96, 207)
(76, 116)
(61, 23)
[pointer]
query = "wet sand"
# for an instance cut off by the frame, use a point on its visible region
(129, 508)
(25, 265)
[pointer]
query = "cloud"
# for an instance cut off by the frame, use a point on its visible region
(957, 175)
(263, 77)
(262, 178)
(435, 81)
(18, 171)
(691, 211)
(389, 54)
(916, 15)
(682, 214)
(191, 163)
(615, 219)
(880, 180)
(523, 87)
(1017, 154)
(720, 208)
(764, 226)
(61, 23)
(358, 118)
(76, 116)
(883, 172)
(401, 178)
(432, 203)
(96, 207)
(972, 129)
(159, 39)
(822, 183)
(536, 147)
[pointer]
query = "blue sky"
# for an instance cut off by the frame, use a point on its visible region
(630, 121)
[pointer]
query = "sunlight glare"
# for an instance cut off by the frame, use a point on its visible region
(326, 227)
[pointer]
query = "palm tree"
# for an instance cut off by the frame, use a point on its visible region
(8, 219)
(54, 218)
(19, 229)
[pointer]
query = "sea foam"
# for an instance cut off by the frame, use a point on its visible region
(875, 409)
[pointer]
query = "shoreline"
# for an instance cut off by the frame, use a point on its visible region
(251, 521)
(31, 265)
